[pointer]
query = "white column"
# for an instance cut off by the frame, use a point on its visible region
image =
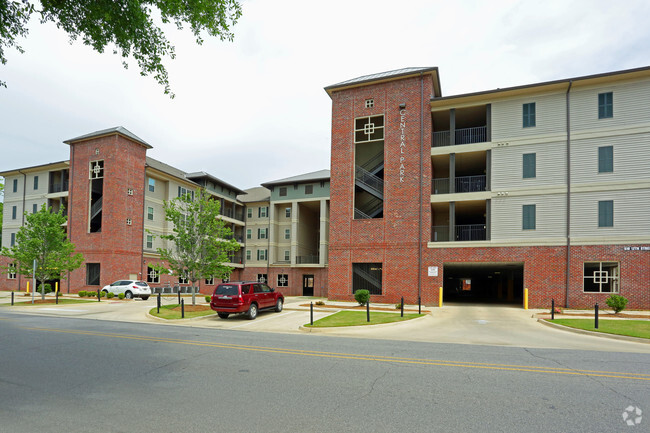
(294, 232)
(323, 241)
(271, 234)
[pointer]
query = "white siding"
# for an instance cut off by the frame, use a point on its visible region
(507, 166)
(507, 115)
(507, 217)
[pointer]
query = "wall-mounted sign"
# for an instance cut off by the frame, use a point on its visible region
(644, 248)
(402, 143)
(433, 271)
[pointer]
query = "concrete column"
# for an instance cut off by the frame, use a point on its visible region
(272, 235)
(452, 173)
(452, 221)
(323, 242)
(488, 122)
(294, 231)
(452, 126)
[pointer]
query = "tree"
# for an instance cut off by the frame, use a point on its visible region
(127, 26)
(201, 242)
(43, 239)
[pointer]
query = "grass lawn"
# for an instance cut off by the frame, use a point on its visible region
(173, 312)
(359, 318)
(37, 301)
(632, 328)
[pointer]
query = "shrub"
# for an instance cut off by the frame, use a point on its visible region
(362, 296)
(102, 294)
(121, 296)
(398, 306)
(208, 298)
(109, 295)
(91, 294)
(617, 303)
(82, 293)
(320, 303)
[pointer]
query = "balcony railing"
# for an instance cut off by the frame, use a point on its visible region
(461, 184)
(58, 187)
(477, 134)
(466, 232)
(307, 260)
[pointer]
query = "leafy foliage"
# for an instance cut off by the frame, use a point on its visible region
(362, 296)
(201, 242)
(617, 303)
(128, 26)
(43, 239)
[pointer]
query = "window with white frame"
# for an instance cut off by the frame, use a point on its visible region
(34, 208)
(12, 241)
(152, 184)
(262, 212)
(182, 191)
(287, 255)
(368, 129)
(249, 212)
(261, 278)
(153, 276)
(262, 233)
(287, 233)
(249, 255)
(249, 234)
(149, 242)
(370, 103)
(150, 213)
(261, 254)
(11, 272)
(209, 281)
(601, 277)
(183, 278)
(287, 212)
(283, 280)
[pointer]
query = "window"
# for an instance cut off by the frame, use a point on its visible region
(261, 233)
(149, 241)
(283, 280)
(287, 212)
(152, 185)
(606, 159)
(96, 170)
(601, 277)
(370, 103)
(34, 208)
(262, 279)
(249, 235)
(182, 278)
(13, 212)
(287, 255)
(129, 191)
(209, 281)
(261, 254)
(530, 165)
(248, 255)
(35, 182)
(606, 213)
(184, 191)
(367, 276)
(12, 242)
(283, 191)
(92, 274)
(15, 185)
(529, 115)
(128, 221)
(262, 212)
(528, 218)
(309, 189)
(249, 212)
(287, 233)
(150, 213)
(368, 129)
(605, 105)
(11, 272)
(153, 276)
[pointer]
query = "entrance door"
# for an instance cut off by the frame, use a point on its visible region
(307, 285)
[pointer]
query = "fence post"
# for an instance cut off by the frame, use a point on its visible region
(552, 309)
(182, 308)
(596, 317)
(402, 307)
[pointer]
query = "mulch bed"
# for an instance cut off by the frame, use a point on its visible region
(362, 307)
(189, 308)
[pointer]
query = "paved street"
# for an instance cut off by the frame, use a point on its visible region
(74, 375)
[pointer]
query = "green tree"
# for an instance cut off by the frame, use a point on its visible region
(201, 243)
(43, 239)
(128, 27)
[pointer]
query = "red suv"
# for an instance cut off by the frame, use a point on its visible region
(245, 297)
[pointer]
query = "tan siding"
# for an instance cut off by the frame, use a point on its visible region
(507, 166)
(550, 217)
(631, 210)
(507, 117)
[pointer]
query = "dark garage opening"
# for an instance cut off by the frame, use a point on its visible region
(501, 283)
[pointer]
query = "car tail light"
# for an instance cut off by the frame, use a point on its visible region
(135, 287)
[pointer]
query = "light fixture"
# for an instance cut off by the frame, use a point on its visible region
(402, 106)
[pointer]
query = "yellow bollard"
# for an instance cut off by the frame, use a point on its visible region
(525, 299)
(27, 286)
(56, 287)
(440, 297)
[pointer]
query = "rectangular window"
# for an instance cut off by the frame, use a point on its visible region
(92, 274)
(150, 213)
(15, 185)
(249, 235)
(606, 213)
(261, 254)
(150, 241)
(367, 276)
(14, 212)
(153, 276)
(96, 170)
(184, 191)
(530, 165)
(209, 281)
(601, 277)
(606, 159)
(13, 240)
(262, 279)
(370, 103)
(529, 115)
(283, 280)
(262, 212)
(287, 233)
(34, 208)
(249, 212)
(11, 273)
(182, 278)
(283, 191)
(248, 255)
(261, 233)
(605, 105)
(287, 212)
(35, 182)
(152, 185)
(528, 219)
(287, 255)
(368, 129)
(309, 189)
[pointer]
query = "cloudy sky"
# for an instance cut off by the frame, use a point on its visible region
(254, 110)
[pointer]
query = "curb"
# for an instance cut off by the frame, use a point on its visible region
(176, 321)
(377, 325)
(594, 333)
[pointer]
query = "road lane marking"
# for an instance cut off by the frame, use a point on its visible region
(275, 316)
(361, 357)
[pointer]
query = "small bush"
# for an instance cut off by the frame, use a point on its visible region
(398, 306)
(320, 303)
(91, 294)
(362, 296)
(102, 294)
(110, 295)
(121, 296)
(81, 293)
(208, 298)
(617, 303)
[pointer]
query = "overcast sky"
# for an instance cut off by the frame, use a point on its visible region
(254, 110)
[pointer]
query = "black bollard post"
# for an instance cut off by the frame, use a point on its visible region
(98, 296)
(12, 297)
(368, 310)
(596, 317)
(179, 295)
(552, 309)
(182, 308)
(158, 303)
(56, 294)
(419, 306)
(311, 313)
(402, 307)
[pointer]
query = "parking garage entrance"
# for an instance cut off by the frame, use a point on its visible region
(497, 283)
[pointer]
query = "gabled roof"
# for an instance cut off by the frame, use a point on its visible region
(110, 131)
(202, 174)
(41, 167)
(314, 176)
(255, 194)
(167, 169)
(388, 76)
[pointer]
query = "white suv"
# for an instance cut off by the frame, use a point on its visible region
(130, 288)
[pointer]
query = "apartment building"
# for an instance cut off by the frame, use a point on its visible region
(544, 187)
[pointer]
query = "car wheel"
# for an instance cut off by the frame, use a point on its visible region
(278, 305)
(223, 315)
(144, 298)
(252, 311)
(128, 295)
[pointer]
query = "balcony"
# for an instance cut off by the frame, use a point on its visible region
(476, 134)
(307, 260)
(461, 184)
(466, 232)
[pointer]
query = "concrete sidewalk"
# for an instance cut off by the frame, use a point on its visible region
(495, 325)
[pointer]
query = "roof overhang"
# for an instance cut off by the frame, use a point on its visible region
(388, 77)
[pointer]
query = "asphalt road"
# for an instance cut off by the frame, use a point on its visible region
(72, 375)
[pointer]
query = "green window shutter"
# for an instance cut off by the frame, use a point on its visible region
(530, 165)
(528, 220)
(605, 105)
(606, 213)
(529, 115)
(605, 159)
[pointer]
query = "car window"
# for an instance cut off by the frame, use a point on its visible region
(125, 282)
(265, 288)
(141, 283)
(257, 288)
(245, 289)
(227, 289)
